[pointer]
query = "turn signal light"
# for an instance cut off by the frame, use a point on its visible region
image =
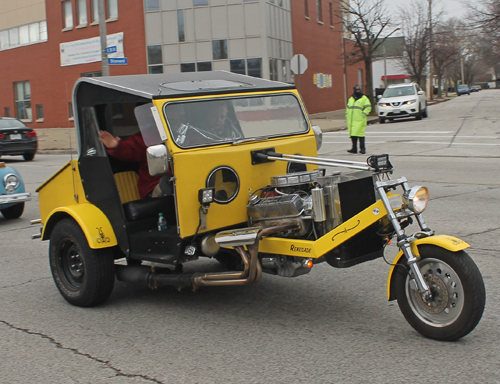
(309, 264)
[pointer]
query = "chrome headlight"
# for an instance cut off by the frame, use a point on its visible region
(11, 182)
(416, 199)
(383, 104)
(319, 136)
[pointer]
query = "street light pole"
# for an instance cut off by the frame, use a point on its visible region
(431, 83)
(104, 43)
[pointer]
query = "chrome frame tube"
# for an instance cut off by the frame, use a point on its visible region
(403, 244)
(325, 163)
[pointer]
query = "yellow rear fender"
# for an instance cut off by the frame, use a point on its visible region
(450, 243)
(93, 222)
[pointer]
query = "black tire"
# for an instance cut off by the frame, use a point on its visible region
(425, 113)
(29, 156)
(458, 294)
(381, 120)
(418, 116)
(84, 276)
(13, 212)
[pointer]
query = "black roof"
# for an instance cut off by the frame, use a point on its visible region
(166, 85)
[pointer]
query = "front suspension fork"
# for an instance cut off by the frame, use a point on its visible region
(403, 241)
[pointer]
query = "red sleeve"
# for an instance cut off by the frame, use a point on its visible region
(130, 149)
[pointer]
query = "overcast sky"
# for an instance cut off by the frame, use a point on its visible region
(451, 8)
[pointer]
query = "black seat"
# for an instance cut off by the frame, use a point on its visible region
(151, 207)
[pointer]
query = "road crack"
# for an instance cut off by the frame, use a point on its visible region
(106, 363)
(482, 232)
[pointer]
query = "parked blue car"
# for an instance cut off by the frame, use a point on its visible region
(463, 89)
(12, 193)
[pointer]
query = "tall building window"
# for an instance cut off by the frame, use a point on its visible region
(81, 10)
(22, 90)
(254, 67)
(7, 111)
(95, 11)
(112, 9)
(155, 59)
(152, 5)
(273, 69)
(331, 13)
(39, 112)
(188, 67)
(219, 49)
(180, 25)
(24, 35)
(238, 66)
(360, 79)
(70, 110)
(306, 8)
(204, 66)
(200, 3)
(92, 74)
(67, 9)
(319, 9)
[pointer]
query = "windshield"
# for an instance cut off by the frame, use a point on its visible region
(8, 123)
(208, 122)
(399, 91)
(463, 86)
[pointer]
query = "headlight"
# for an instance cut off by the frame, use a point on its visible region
(416, 199)
(10, 182)
(319, 136)
(409, 102)
(383, 104)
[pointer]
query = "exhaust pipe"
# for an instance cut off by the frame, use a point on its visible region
(251, 273)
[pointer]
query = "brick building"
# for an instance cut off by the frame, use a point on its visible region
(44, 48)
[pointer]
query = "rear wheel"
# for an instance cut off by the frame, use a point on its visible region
(29, 156)
(458, 294)
(13, 212)
(84, 276)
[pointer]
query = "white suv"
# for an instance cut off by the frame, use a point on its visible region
(402, 100)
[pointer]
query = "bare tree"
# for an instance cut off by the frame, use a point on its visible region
(446, 49)
(369, 24)
(414, 25)
(484, 17)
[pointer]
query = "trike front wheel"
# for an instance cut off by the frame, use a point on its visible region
(457, 294)
(84, 276)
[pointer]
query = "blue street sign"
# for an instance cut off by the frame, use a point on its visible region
(111, 49)
(119, 61)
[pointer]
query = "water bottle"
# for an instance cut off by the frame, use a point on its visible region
(162, 222)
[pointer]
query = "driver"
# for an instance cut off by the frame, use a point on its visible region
(216, 125)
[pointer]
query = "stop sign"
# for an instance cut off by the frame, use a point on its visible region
(298, 65)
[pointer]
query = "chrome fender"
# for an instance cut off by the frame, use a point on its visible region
(450, 243)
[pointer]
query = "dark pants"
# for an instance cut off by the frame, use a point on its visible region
(354, 140)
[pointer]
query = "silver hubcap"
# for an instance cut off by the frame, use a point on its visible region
(447, 300)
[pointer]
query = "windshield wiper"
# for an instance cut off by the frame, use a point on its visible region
(249, 139)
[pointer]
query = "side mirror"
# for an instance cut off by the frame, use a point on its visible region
(319, 136)
(420, 92)
(157, 156)
(379, 97)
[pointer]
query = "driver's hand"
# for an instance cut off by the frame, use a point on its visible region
(108, 139)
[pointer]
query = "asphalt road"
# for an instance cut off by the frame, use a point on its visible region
(330, 326)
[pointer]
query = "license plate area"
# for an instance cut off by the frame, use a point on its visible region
(16, 136)
(396, 111)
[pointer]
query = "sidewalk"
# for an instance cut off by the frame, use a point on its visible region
(57, 140)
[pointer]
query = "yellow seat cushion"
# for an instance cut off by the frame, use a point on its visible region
(127, 186)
